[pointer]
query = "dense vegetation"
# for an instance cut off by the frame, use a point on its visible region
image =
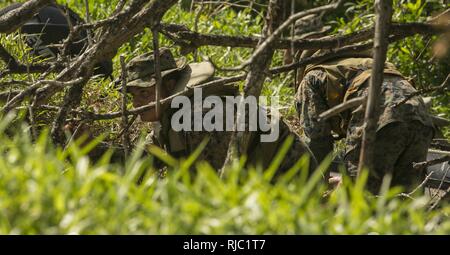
(52, 190)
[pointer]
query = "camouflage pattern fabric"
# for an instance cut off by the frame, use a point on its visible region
(394, 90)
(411, 129)
(141, 68)
(310, 102)
(397, 146)
(216, 150)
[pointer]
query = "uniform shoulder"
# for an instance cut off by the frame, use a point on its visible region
(316, 73)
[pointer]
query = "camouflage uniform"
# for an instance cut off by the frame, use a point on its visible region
(183, 143)
(404, 132)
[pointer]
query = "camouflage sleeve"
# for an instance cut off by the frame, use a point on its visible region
(152, 140)
(310, 102)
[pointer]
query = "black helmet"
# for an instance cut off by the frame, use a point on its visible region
(49, 27)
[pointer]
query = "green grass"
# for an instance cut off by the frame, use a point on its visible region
(44, 190)
(359, 14)
(48, 191)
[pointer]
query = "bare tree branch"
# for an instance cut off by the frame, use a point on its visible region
(354, 102)
(182, 33)
(31, 89)
(438, 200)
(444, 86)
(383, 12)
(157, 69)
(268, 42)
(258, 69)
(420, 186)
(132, 20)
(421, 165)
(15, 67)
(124, 77)
(16, 18)
(88, 20)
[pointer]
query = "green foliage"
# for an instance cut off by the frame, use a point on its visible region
(66, 193)
(47, 191)
(413, 56)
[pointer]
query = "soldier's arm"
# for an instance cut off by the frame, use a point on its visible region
(310, 103)
(152, 140)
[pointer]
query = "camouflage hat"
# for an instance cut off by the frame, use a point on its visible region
(141, 69)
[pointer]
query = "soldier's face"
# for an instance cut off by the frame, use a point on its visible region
(141, 97)
(144, 96)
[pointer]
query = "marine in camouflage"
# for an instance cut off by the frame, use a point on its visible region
(404, 131)
(182, 143)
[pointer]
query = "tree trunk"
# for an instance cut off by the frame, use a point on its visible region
(258, 69)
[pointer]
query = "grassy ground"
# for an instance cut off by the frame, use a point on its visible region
(66, 193)
(44, 190)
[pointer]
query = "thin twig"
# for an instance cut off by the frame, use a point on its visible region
(432, 162)
(383, 16)
(88, 20)
(32, 122)
(421, 185)
(197, 18)
(74, 134)
(31, 89)
(435, 204)
(126, 137)
(277, 33)
(16, 67)
(440, 88)
(130, 123)
(167, 100)
(16, 18)
(119, 7)
(342, 107)
(13, 82)
(292, 49)
(157, 70)
(222, 82)
(400, 30)
(444, 176)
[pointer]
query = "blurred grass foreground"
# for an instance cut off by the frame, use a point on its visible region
(48, 191)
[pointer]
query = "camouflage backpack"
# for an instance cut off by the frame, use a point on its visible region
(344, 77)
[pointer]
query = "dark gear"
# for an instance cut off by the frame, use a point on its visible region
(50, 27)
